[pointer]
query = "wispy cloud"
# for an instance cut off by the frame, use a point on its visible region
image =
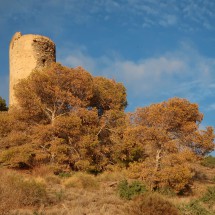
(168, 20)
(79, 58)
(211, 107)
(183, 14)
(184, 73)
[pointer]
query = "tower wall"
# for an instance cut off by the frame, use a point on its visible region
(28, 52)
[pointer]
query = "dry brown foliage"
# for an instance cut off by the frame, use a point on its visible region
(152, 204)
(17, 191)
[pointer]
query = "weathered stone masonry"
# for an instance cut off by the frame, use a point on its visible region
(28, 52)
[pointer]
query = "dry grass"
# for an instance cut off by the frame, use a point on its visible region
(43, 193)
(81, 180)
(79, 202)
(42, 171)
(111, 176)
(79, 194)
(17, 191)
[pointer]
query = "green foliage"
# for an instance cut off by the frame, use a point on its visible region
(18, 157)
(3, 106)
(209, 161)
(60, 195)
(167, 191)
(152, 204)
(128, 191)
(194, 208)
(209, 197)
(64, 175)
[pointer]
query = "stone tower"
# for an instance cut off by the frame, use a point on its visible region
(28, 52)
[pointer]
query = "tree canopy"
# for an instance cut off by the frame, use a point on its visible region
(71, 120)
(169, 135)
(70, 116)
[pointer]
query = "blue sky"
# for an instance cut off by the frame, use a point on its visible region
(158, 48)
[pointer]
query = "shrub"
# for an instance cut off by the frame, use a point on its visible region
(194, 208)
(199, 175)
(18, 157)
(151, 204)
(42, 171)
(209, 196)
(209, 162)
(17, 191)
(33, 192)
(64, 174)
(167, 191)
(82, 180)
(60, 195)
(128, 191)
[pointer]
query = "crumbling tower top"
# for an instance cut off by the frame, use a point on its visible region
(28, 52)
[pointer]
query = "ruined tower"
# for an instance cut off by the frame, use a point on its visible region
(28, 52)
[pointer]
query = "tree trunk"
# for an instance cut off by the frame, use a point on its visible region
(158, 160)
(157, 169)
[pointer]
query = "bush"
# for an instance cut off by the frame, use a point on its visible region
(82, 180)
(152, 204)
(42, 171)
(17, 191)
(167, 191)
(194, 208)
(209, 162)
(64, 175)
(209, 196)
(128, 191)
(18, 157)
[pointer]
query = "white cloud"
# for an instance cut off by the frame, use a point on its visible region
(168, 20)
(78, 58)
(182, 73)
(210, 107)
(146, 75)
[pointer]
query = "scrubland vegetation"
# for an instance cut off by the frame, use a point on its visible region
(40, 192)
(69, 147)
